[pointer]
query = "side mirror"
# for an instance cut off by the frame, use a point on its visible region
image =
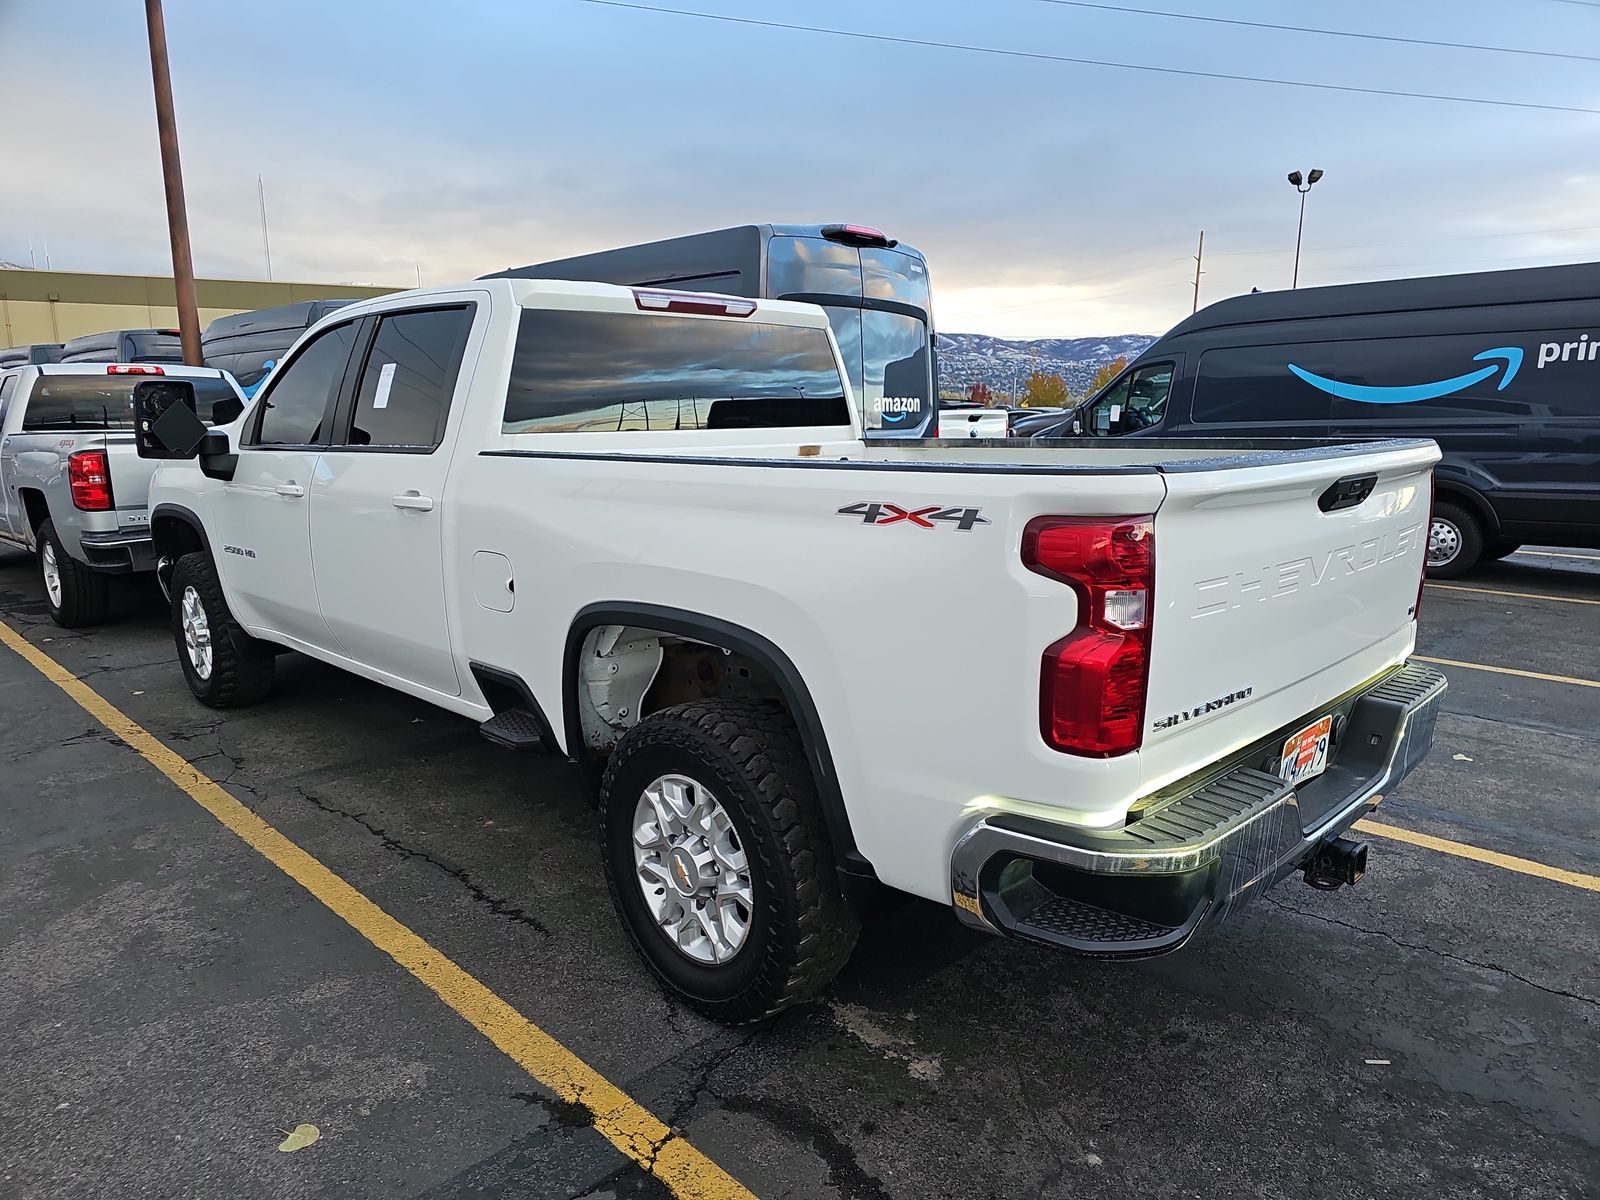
(164, 420)
(217, 459)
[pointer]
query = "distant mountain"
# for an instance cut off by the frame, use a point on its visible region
(969, 358)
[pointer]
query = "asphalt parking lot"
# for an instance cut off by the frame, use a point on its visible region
(174, 1004)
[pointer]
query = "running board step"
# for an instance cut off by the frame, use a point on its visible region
(515, 729)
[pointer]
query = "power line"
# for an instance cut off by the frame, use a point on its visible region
(1341, 33)
(1039, 56)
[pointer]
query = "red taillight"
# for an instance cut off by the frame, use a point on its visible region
(134, 369)
(1427, 540)
(693, 302)
(1093, 682)
(89, 479)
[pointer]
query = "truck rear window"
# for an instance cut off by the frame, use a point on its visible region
(584, 372)
(103, 402)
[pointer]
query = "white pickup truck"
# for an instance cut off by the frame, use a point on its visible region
(641, 529)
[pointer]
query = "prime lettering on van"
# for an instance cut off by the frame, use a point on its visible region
(1582, 350)
(1225, 592)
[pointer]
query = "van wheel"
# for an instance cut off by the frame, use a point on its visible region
(1500, 549)
(1455, 541)
(718, 861)
(76, 594)
(224, 667)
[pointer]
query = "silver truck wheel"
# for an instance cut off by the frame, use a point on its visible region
(691, 869)
(52, 574)
(1444, 543)
(196, 632)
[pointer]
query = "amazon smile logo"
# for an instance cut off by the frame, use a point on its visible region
(1411, 393)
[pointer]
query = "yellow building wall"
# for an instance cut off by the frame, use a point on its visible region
(52, 306)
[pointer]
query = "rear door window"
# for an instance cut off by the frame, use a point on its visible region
(297, 398)
(600, 372)
(404, 395)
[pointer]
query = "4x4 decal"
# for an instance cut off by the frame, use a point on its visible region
(878, 512)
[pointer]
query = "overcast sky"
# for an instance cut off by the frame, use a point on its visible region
(1051, 198)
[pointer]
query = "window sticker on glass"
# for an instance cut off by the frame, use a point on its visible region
(385, 381)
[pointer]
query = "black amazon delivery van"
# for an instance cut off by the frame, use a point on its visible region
(1502, 369)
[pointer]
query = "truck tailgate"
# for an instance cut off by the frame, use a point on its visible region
(1279, 586)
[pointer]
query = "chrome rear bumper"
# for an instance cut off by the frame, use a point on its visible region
(1204, 847)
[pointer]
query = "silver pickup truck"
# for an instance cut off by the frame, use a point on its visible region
(72, 485)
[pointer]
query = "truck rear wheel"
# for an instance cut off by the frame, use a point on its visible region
(224, 666)
(718, 860)
(1455, 541)
(76, 594)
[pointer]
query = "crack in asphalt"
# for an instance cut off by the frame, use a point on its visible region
(497, 906)
(1495, 968)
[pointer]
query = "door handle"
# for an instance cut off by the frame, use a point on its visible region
(414, 501)
(290, 489)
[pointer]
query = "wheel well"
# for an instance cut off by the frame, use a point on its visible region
(173, 536)
(1472, 502)
(34, 504)
(625, 662)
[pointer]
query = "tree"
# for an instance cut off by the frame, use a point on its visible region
(979, 393)
(1044, 391)
(1106, 373)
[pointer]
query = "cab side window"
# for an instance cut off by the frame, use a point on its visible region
(295, 405)
(1136, 401)
(403, 398)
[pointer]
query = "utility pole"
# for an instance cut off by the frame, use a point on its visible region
(1198, 255)
(172, 178)
(266, 245)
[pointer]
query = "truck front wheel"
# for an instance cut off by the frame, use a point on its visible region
(224, 666)
(718, 860)
(76, 594)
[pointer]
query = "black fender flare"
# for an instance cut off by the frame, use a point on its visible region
(853, 866)
(177, 512)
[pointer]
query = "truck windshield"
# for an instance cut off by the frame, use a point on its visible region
(103, 402)
(580, 372)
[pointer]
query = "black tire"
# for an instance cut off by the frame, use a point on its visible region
(801, 930)
(85, 593)
(1497, 550)
(1458, 527)
(241, 667)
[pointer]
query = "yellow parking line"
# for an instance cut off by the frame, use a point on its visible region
(1456, 587)
(1471, 666)
(624, 1122)
(1523, 866)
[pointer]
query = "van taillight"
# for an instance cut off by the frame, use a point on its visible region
(1092, 683)
(89, 480)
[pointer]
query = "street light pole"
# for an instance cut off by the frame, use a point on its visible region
(1302, 186)
(172, 179)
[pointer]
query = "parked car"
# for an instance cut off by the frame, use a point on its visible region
(72, 484)
(1502, 369)
(124, 346)
(642, 529)
(250, 344)
(33, 355)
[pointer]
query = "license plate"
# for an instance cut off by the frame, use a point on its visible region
(1305, 755)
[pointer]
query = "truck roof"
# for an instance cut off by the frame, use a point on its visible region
(601, 297)
(1577, 281)
(181, 370)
